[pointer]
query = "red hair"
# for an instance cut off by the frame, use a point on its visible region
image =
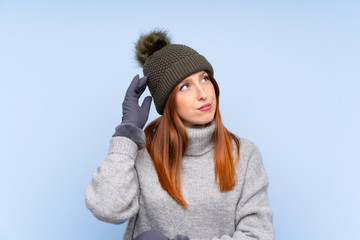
(167, 140)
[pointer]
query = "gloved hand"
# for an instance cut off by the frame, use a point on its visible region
(152, 234)
(180, 237)
(132, 112)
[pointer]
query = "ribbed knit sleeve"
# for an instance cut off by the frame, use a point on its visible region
(253, 213)
(113, 194)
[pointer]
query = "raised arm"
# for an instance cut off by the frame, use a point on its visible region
(112, 196)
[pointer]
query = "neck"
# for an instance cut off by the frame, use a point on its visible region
(201, 140)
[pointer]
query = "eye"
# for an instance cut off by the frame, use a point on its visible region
(184, 87)
(205, 78)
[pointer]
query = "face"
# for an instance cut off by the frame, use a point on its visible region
(195, 100)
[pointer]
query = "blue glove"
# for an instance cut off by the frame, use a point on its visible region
(180, 237)
(134, 116)
(132, 112)
(152, 234)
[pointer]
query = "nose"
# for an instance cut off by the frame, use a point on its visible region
(202, 95)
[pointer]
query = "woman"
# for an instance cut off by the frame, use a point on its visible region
(194, 179)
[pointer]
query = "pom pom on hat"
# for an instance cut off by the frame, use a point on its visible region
(150, 43)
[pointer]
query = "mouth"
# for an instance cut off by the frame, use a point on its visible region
(205, 107)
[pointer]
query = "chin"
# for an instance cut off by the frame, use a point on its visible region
(207, 121)
(198, 122)
(203, 122)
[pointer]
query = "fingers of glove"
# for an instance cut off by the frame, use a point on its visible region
(141, 86)
(133, 85)
(152, 234)
(146, 104)
(181, 237)
(136, 88)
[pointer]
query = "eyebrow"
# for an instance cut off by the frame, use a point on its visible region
(201, 75)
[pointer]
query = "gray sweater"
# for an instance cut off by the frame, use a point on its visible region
(126, 187)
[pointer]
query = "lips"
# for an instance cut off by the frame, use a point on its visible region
(205, 107)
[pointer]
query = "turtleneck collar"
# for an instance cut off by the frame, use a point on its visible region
(201, 140)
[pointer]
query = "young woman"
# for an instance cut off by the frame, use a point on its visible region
(186, 176)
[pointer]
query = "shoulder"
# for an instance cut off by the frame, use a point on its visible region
(248, 147)
(249, 154)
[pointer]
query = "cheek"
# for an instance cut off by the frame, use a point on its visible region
(183, 105)
(180, 104)
(212, 95)
(211, 92)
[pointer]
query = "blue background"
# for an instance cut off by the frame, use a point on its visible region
(289, 78)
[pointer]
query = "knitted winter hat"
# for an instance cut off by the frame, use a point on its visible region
(167, 64)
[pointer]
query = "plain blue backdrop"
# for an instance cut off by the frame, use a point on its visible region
(289, 78)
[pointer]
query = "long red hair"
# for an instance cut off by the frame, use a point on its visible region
(167, 140)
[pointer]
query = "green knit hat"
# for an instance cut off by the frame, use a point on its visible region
(167, 64)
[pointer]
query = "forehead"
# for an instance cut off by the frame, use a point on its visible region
(195, 76)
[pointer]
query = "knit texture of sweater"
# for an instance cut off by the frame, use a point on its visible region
(126, 187)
